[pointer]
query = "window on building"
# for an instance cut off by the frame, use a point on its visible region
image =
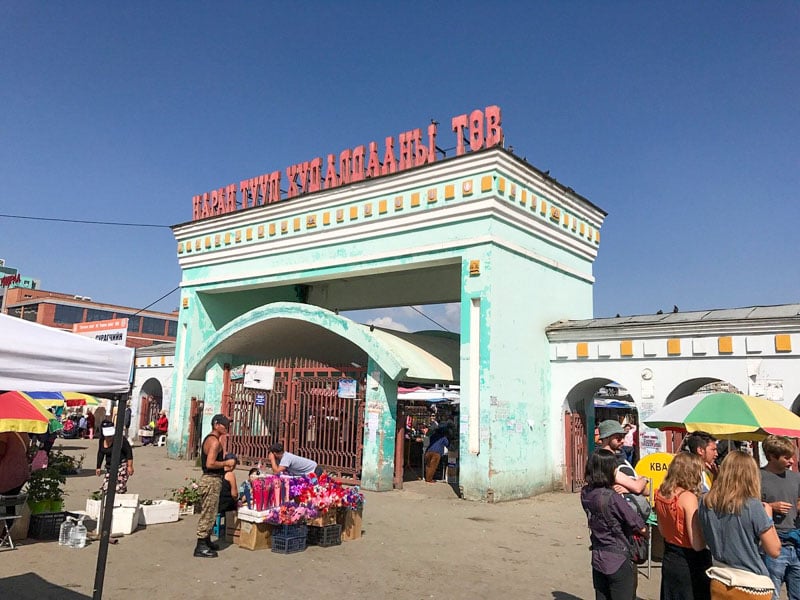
(153, 326)
(15, 312)
(30, 312)
(67, 315)
(172, 328)
(95, 314)
(133, 322)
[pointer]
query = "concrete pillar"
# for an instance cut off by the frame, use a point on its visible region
(377, 463)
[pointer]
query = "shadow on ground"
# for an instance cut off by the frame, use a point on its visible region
(29, 586)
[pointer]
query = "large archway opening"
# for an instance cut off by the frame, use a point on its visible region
(150, 401)
(588, 403)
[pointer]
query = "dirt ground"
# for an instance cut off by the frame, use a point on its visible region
(421, 542)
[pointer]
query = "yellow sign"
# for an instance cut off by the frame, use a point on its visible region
(654, 467)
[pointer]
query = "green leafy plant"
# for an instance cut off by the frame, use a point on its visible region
(45, 484)
(97, 495)
(64, 463)
(188, 493)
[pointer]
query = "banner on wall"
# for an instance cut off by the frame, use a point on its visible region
(113, 331)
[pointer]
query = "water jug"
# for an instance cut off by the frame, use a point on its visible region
(65, 531)
(77, 537)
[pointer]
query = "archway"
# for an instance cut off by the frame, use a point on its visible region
(587, 403)
(150, 401)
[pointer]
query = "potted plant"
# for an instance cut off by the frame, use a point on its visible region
(45, 491)
(188, 496)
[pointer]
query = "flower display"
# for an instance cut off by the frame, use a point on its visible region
(290, 513)
(325, 493)
(189, 493)
(291, 500)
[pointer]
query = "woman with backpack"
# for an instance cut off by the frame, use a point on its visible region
(683, 568)
(611, 523)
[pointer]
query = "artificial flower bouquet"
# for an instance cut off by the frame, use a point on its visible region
(290, 513)
(264, 493)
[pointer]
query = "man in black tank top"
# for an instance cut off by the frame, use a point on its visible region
(213, 465)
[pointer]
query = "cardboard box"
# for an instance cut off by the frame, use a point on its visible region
(351, 522)
(255, 536)
(233, 527)
(160, 511)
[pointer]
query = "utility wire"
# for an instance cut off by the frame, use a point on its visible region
(118, 224)
(429, 319)
(154, 301)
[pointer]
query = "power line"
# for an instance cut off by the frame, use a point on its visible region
(155, 301)
(429, 319)
(83, 222)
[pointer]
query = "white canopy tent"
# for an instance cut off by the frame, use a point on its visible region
(37, 358)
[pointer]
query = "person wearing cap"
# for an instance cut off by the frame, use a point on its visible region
(105, 447)
(291, 464)
(612, 436)
(229, 493)
(213, 463)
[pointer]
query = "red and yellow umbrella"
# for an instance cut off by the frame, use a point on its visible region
(78, 399)
(18, 412)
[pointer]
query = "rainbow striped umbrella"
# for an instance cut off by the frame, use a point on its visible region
(46, 399)
(18, 412)
(727, 416)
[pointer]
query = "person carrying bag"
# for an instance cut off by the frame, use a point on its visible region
(734, 520)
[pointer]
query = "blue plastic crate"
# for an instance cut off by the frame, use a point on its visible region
(299, 530)
(329, 535)
(288, 545)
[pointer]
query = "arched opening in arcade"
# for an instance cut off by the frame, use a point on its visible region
(150, 402)
(587, 404)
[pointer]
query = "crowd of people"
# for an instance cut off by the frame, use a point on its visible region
(730, 529)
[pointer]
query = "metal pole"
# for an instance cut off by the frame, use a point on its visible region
(107, 511)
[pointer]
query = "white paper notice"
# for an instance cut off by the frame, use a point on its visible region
(372, 425)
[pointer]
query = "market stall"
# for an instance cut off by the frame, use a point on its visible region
(286, 513)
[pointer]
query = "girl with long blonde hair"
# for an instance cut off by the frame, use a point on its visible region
(683, 570)
(734, 520)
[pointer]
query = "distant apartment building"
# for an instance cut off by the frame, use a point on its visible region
(62, 311)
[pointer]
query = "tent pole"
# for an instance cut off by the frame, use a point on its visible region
(107, 511)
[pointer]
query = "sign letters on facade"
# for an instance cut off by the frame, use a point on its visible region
(477, 130)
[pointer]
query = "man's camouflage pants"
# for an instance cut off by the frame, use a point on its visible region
(210, 487)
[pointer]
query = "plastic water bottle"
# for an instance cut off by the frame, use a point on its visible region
(77, 537)
(65, 531)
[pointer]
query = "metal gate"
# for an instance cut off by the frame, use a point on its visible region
(304, 412)
(575, 451)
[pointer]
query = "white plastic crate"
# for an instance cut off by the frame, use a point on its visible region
(161, 511)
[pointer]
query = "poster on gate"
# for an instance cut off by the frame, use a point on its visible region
(259, 377)
(261, 399)
(347, 388)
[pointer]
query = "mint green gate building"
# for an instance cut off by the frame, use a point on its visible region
(484, 229)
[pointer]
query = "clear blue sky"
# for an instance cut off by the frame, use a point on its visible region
(681, 120)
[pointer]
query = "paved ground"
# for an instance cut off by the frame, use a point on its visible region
(419, 543)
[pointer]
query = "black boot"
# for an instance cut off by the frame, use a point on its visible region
(202, 550)
(213, 545)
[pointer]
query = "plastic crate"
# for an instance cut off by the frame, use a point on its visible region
(46, 526)
(299, 530)
(330, 535)
(288, 545)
